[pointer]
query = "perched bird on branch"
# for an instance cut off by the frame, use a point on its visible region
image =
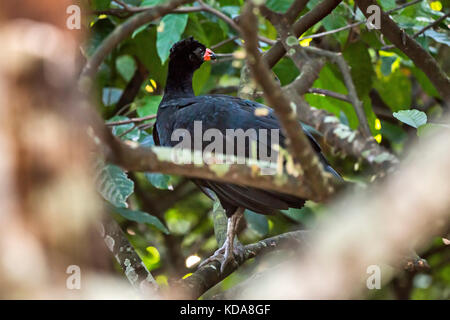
(181, 110)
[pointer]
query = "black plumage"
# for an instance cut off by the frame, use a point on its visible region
(179, 109)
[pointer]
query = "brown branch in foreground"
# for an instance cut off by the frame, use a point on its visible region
(179, 162)
(133, 267)
(365, 230)
(413, 50)
(209, 275)
(320, 182)
(130, 156)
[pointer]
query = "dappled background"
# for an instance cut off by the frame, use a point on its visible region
(166, 219)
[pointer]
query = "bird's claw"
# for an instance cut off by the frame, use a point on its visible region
(225, 256)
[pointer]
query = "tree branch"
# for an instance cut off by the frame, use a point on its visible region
(121, 32)
(348, 81)
(209, 275)
(325, 33)
(413, 50)
(132, 120)
(363, 231)
(329, 93)
(133, 267)
(320, 182)
(272, 56)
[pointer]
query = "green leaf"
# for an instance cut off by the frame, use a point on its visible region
(114, 185)
(126, 66)
(119, 130)
(286, 71)
(141, 217)
(148, 105)
(395, 90)
(99, 31)
(170, 30)
(143, 46)
(413, 117)
(201, 77)
(100, 4)
(425, 82)
(147, 141)
(111, 96)
(386, 65)
(279, 5)
(303, 215)
(438, 36)
(194, 28)
(388, 4)
(257, 222)
(146, 3)
(328, 80)
(358, 59)
(159, 180)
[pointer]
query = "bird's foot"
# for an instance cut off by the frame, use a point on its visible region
(226, 255)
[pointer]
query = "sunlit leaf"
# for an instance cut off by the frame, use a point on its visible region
(170, 30)
(125, 131)
(413, 117)
(110, 96)
(126, 66)
(114, 185)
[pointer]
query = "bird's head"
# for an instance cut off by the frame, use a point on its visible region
(190, 54)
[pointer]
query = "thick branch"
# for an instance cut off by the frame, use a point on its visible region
(133, 267)
(364, 231)
(196, 164)
(348, 142)
(208, 276)
(325, 33)
(320, 182)
(323, 9)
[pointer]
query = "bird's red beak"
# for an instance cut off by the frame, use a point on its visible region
(209, 55)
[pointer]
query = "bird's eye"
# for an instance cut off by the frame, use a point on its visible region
(199, 52)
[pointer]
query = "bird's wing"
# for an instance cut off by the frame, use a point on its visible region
(226, 112)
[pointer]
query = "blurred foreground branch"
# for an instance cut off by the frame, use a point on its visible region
(374, 228)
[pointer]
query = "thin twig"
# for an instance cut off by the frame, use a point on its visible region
(132, 120)
(350, 26)
(352, 94)
(418, 55)
(224, 42)
(418, 33)
(320, 182)
(329, 93)
(120, 33)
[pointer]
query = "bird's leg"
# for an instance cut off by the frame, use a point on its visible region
(231, 248)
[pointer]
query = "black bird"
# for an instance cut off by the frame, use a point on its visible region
(179, 109)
